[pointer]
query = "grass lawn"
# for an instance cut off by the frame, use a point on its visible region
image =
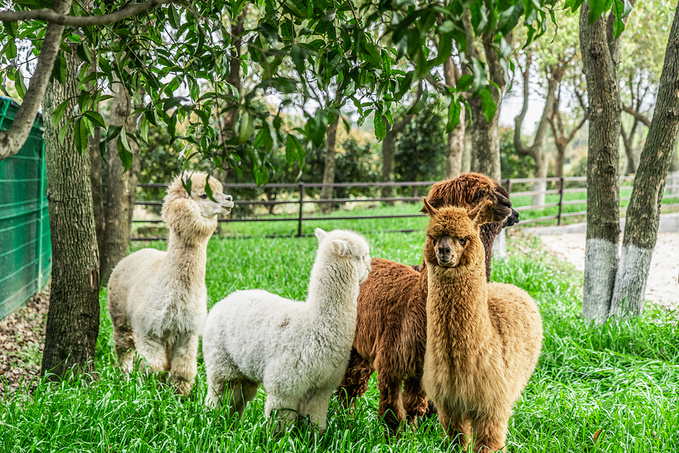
(596, 389)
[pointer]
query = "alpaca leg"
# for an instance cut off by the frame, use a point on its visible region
(456, 428)
(391, 406)
(414, 399)
(154, 353)
(490, 433)
(215, 388)
(240, 394)
(317, 408)
(287, 410)
(183, 365)
(123, 341)
(355, 381)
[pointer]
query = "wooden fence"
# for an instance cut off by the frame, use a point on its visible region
(562, 187)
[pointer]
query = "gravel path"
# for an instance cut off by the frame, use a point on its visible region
(662, 287)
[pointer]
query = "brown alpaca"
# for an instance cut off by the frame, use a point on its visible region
(483, 340)
(391, 326)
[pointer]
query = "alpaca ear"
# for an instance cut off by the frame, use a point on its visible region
(428, 209)
(342, 247)
(320, 234)
(482, 213)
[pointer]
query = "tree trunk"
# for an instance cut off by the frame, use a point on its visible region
(603, 229)
(455, 139)
(485, 141)
(329, 167)
(117, 229)
(97, 187)
(541, 166)
(73, 318)
(628, 142)
(643, 214)
(467, 153)
(559, 159)
(388, 161)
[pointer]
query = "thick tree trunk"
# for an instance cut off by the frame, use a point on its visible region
(628, 142)
(603, 229)
(643, 214)
(540, 186)
(559, 159)
(329, 167)
(485, 141)
(117, 229)
(73, 318)
(97, 187)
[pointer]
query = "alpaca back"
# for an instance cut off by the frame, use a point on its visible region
(259, 334)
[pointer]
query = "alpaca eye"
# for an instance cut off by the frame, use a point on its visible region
(462, 241)
(204, 196)
(478, 196)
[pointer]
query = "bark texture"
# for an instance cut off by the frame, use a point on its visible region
(643, 214)
(97, 187)
(117, 229)
(329, 167)
(455, 139)
(73, 319)
(13, 140)
(603, 229)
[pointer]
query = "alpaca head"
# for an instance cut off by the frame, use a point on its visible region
(347, 246)
(453, 234)
(468, 191)
(195, 213)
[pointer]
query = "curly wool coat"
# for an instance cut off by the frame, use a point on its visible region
(392, 323)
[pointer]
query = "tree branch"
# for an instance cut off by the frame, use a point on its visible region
(637, 115)
(13, 140)
(53, 17)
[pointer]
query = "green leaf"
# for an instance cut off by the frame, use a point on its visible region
(597, 8)
(122, 140)
(488, 104)
(19, 84)
(380, 126)
(480, 76)
(247, 127)
(59, 113)
(80, 135)
(96, 118)
(64, 130)
(454, 111)
(208, 189)
(290, 150)
(464, 83)
(125, 155)
(508, 18)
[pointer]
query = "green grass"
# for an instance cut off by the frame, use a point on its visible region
(621, 379)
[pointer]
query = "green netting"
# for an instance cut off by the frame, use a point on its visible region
(25, 250)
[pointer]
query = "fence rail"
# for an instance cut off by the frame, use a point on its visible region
(558, 188)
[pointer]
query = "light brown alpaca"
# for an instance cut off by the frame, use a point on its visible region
(483, 340)
(157, 300)
(392, 324)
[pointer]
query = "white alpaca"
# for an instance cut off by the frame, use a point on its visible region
(298, 350)
(158, 300)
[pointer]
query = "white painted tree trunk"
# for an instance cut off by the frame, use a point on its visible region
(500, 246)
(601, 262)
(630, 283)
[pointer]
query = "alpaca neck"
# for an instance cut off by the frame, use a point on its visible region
(333, 288)
(457, 308)
(187, 259)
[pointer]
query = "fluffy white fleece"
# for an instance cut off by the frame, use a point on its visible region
(298, 350)
(157, 300)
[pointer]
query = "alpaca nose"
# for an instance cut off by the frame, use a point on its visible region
(444, 250)
(229, 198)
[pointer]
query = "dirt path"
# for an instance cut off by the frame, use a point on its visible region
(663, 281)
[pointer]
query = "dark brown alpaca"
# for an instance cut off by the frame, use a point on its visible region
(483, 339)
(392, 324)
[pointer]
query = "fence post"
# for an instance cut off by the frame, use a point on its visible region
(558, 217)
(508, 184)
(301, 207)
